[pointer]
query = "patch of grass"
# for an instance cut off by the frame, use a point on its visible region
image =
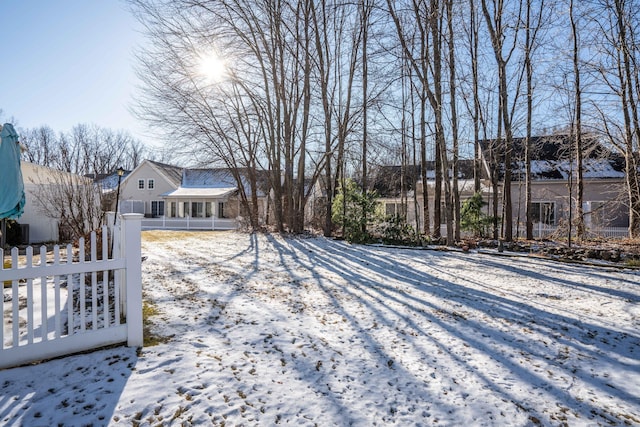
(170, 235)
(149, 309)
(632, 263)
(150, 339)
(178, 413)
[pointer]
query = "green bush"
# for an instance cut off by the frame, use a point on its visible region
(353, 210)
(396, 230)
(473, 219)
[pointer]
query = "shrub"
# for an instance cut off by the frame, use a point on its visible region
(473, 219)
(396, 230)
(352, 210)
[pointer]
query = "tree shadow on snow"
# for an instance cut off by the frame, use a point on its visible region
(453, 324)
(82, 389)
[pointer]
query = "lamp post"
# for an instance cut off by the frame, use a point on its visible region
(120, 172)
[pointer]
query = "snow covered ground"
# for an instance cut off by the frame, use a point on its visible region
(263, 330)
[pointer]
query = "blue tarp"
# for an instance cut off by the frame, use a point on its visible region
(11, 184)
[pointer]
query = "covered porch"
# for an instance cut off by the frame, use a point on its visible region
(197, 209)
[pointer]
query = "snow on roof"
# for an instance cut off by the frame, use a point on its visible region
(208, 178)
(172, 173)
(110, 182)
(194, 192)
(216, 179)
(560, 169)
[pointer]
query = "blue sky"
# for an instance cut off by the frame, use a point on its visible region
(67, 62)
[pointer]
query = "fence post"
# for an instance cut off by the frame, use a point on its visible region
(130, 228)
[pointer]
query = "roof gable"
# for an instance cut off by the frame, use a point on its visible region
(173, 174)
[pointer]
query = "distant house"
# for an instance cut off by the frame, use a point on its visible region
(204, 193)
(174, 197)
(400, 190)
(552, 170)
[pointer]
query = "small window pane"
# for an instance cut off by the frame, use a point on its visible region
(151, 184)
(544, 212)
(390, 208)
(197, 209)
(141, 184)
(157, 208)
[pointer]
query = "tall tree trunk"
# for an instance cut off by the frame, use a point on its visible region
(365, 12)
(527, 145)
(630, 112)
(496, 31)
(579, 221)
(473, 53)
(454, 121)
(423, 163)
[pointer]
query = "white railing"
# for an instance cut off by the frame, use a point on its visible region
(189, 223)
(541, 231)
(63, 303)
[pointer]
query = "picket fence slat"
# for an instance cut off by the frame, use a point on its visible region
(61, 304)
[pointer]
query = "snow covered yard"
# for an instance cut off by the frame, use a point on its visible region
(262, 330)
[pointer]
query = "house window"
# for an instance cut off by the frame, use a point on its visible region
(604, 214)
(197, 209)
(221, 210)
(185, 209)
(151, 184)
(157, 208)
(141, 184)
(392, 209)
(173, 209)
(544, 212)
(208, 209)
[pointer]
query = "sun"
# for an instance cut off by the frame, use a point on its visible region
(212, 67)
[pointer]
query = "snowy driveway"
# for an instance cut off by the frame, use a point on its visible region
(267, 331)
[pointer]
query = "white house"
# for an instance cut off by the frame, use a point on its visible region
(182, 198)
(38, 227)
(141, 190)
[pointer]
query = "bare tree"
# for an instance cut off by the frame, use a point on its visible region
(619, 70)
(72, 200)
(532, 28)
(451, 41)
(41, 145)
(577, 128)
(494, 19)
(338, 38)
(426, 20)
(85, 150)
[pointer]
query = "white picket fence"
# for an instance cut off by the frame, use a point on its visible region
(188, 223)
(63, 303)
